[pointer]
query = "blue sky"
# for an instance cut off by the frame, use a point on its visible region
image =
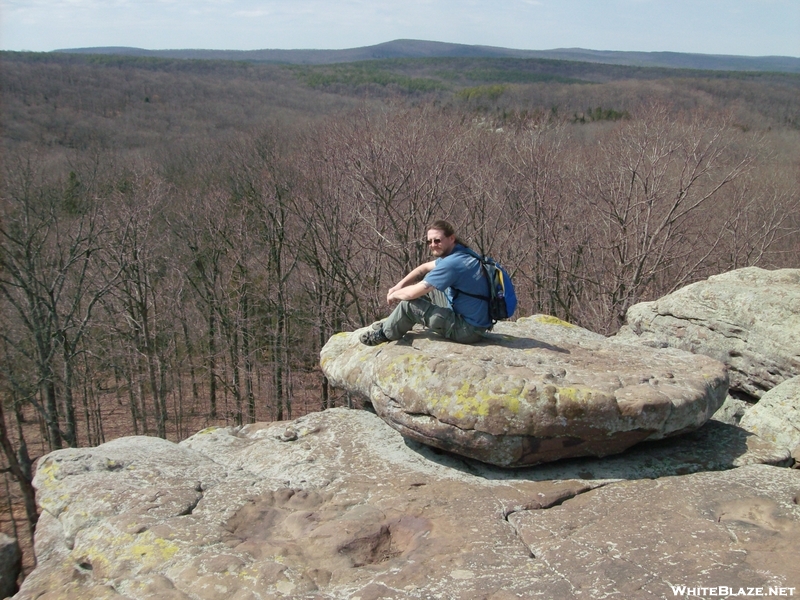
(743, 27)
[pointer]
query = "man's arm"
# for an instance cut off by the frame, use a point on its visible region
(411, 286)
(410, 292)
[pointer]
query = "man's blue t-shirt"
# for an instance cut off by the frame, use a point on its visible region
(461, 271)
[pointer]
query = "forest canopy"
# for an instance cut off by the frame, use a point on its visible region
(180, 237)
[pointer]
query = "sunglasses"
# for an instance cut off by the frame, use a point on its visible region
(434, 242)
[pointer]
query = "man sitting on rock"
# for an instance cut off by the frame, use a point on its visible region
(429, 294)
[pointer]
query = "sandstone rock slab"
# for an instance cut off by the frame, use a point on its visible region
(737, 529)
(340, 508)
(776, 417)
(534, 391)
(146, 462)
(338, 505)
(748, 319)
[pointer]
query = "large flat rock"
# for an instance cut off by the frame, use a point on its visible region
(748, 319)
(534, 391)
(338, 505)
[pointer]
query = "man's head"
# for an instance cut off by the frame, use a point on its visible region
(441, 238)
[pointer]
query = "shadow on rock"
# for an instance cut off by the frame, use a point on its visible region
(519, 343)
(714, 447)
(492, 339)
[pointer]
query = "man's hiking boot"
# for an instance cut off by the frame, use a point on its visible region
(374, 336)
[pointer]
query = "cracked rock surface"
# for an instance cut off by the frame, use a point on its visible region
(748, 319)
(533, 391)
(735, 528)
(338, 505)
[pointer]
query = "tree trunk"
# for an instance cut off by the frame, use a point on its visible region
(190, 358)
(248, 364)
(48, 390)
(212, 363)
(70, 432)
(20, 467)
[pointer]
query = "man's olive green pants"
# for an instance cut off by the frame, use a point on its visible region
(434, 312)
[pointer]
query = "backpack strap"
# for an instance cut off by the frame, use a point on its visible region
(486, 298)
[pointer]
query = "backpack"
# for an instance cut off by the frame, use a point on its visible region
(502, 296)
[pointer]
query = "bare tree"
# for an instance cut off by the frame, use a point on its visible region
(653, 177)
(262, 187)
(198, 227)
(53, 272)
(142, 295)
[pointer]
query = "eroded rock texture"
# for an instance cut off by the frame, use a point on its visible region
(534, 391)
(338, 505)
(776, 417)
(748, 319)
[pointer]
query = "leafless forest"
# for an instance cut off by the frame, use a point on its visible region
(179, 238)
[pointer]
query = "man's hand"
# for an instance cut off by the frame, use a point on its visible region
(409, 292)
(392, 290)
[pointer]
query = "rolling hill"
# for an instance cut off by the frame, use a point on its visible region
(427, 49)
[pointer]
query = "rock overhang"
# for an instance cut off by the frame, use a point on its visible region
(535, 390)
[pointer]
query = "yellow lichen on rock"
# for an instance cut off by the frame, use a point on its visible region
(47, 473)
(435, 395)
(469, 402)
(551, 320)
(153, 550)
(107, 552)
(207, 430)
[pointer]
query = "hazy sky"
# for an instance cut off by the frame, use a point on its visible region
(744, 27)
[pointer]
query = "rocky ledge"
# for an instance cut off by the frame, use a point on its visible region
(338, 505)
(535, 390)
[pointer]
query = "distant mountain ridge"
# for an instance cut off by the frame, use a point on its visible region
(399, 49)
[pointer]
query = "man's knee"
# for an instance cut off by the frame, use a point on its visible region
(403, 317)
(441, 323)
(417, 308)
